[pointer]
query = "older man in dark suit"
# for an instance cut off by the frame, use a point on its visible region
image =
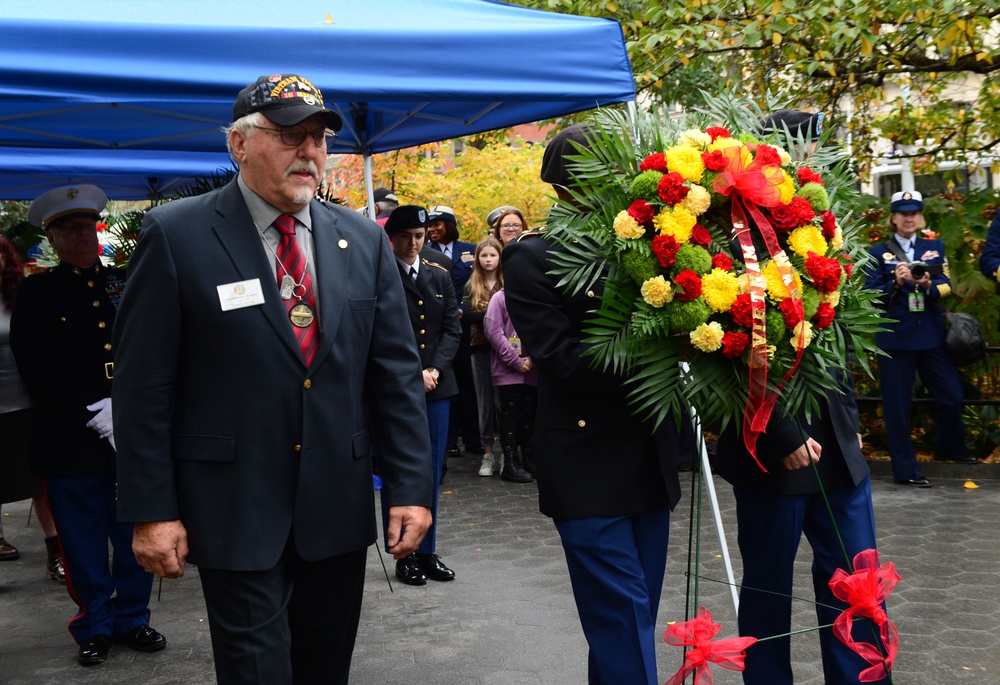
(261, 330)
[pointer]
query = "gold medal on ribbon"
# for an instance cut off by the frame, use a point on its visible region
(301, 315)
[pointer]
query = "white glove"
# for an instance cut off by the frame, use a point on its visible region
(102, 421)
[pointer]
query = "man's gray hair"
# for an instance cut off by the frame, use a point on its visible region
(246, 126)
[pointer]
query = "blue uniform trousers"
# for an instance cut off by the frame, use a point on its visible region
(941, 377)
(616, 566)
(114, 600)
(770, 528)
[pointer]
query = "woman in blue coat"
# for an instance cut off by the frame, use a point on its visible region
(911, 274)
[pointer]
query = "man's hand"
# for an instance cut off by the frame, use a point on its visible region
(803, 456)
(103, 421)
(861, 442)
(161, 547)
(430, 382)
(413, 523)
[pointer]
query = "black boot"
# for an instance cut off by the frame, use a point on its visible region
(54, 564)
(528, 456)
(512, 470)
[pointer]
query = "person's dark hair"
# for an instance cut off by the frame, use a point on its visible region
(11, 274)
(516, 212)
(450, 229)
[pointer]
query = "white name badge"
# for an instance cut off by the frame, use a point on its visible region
(240, 294)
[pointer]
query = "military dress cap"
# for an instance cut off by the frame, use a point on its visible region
(554, 161)
(907, 201)
(285, 99)
(441, 213)
(405, 217)
(798, 123)
(59, 203)
(491, 218)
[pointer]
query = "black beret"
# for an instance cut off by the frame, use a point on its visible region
(404, 217)
(799, 123)
(554, 160)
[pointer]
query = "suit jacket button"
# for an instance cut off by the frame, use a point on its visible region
(307, 384)
(297, 448)
(581, 423)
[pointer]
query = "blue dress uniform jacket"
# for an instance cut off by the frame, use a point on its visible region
(913, 330)
(433, 312)
(218, 420)
(463, 258)
(989, 261)
(61, 338)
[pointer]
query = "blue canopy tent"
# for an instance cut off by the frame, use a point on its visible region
(121, 76)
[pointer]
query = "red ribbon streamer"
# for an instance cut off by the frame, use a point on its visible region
(751, 186)
(865, 591)
(697, 633)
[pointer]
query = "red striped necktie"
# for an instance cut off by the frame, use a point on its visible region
(292, 262)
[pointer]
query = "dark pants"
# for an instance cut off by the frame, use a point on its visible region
(938, 373)
(616, 566)
(113, 600)
(294, 623)
(517, 416)
(464, 418)
(770, 527)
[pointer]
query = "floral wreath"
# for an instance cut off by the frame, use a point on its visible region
(722, 250)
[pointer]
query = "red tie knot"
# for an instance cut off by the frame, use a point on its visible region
(285, 224)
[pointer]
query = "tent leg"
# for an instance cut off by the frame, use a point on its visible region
(369, 186)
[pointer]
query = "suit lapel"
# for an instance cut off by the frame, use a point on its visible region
(332, 250)
(235, 230)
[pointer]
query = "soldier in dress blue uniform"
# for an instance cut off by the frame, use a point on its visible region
(989, 261)
(61, 338)
(911, 273)
(433, 310)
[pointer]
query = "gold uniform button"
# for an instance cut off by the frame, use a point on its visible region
(97, 303)
(581, 423)
(107, 346)
(590, 293)
(420, 302)
(422, 331)
(62, 318)
(297, 448)
(422, 316)
(307, 384)
(90, 284)
(421, 346)
(101, 324)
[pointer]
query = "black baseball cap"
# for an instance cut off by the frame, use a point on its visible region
(285, 99)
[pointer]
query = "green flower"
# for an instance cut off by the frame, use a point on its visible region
(775, 324)
(693, 257)
(810, 301)
(816, 195)
(641, 267)
(684, 317)
(643, 186)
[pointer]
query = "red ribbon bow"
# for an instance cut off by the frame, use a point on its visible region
(698, 633)
(865, 591)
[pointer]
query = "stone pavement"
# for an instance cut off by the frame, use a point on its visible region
(509, 617)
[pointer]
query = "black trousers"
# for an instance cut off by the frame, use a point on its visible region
(294, 623)
(517, 415)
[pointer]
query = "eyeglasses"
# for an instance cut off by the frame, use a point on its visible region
(502, 226)
(292, 136)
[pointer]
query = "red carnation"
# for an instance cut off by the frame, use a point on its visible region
(767, 156)
(802, 210)
(690, 283)
(783, 218)
(672, 189)
(807, 175)
(792, 317)
(722, 261)
(714, 161)
(848, 265)
(742, 310)
(717, 132)
(824, 272)
(654, 162)
(701, 236)
(733, 343)
(665, 250)
(829, 223)
(824, 315)
(642, 212)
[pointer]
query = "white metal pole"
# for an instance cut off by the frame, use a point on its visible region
(369, 186)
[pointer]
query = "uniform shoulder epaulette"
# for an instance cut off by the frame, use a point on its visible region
(434, 264)
(531, 232)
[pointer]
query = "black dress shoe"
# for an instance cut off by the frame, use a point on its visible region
(143, 639)
(452, 451)
(95, 650)
(958, 460)
(432, 567)
(408, 571)
(914, 482)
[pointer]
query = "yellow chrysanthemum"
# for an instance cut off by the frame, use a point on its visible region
(833, 299)
(707, 337)
(657, 291)
(686, 161)
(675, 221)
(627, 227)
(695, 138)
(787, 188)
(837, 241)
(776, 289)
(806, 239)
(783, 154)
(802, 335)
(723, 143)
(697, 201)
(720, 289)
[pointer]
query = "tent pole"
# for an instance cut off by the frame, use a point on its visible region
(369, 186)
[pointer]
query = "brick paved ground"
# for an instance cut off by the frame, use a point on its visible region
(509, 617)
